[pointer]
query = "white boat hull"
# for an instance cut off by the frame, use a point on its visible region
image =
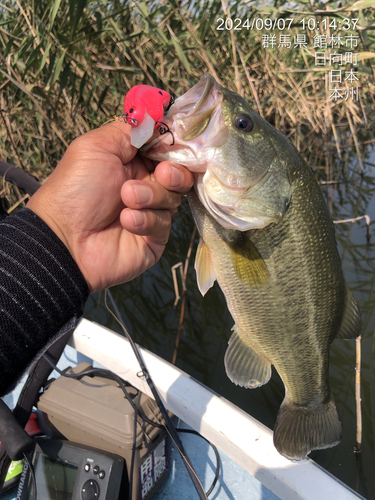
(237, 434)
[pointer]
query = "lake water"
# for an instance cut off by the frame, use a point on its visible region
(147, 306)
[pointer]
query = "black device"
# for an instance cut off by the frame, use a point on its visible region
(70, 471)
(93, 411)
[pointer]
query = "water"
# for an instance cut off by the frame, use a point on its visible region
(147, 306)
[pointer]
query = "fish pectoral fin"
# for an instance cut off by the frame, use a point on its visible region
(351, 323)
(300, 429)
(206, 275)
(248, 264)
(243, 365)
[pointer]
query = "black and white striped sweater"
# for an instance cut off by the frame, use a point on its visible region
(42, 293)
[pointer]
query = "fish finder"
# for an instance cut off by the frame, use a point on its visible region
(70, 471)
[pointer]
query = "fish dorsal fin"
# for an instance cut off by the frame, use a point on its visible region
(243, 365)
(351, 324)
(206, 275)
(247, 262)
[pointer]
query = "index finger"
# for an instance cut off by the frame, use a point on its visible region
(174, 177)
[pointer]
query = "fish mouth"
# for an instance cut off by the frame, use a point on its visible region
(189, 118)
(231, 196)
(195, 98)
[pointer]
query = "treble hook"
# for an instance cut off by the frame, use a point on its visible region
(129, 119)
(170, 104)
(164, 129)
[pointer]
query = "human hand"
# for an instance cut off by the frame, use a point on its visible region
(109, 206)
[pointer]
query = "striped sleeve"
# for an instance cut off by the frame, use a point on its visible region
(41, 291)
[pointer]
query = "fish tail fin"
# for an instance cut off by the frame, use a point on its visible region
(301, 429)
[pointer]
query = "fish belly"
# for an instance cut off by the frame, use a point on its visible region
(289, 320)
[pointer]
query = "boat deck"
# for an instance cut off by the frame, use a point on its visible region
(263, 473)
(234, 482)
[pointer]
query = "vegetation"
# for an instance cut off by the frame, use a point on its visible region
(65, 67)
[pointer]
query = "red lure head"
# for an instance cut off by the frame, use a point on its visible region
(143, 98)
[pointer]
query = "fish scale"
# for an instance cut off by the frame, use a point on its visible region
(254, 308)
(269, 241)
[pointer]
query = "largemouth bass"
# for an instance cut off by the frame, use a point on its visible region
(267, 237)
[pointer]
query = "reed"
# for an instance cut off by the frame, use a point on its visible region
(65, 67)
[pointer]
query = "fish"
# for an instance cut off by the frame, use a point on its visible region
(268, 239)
(144, 108)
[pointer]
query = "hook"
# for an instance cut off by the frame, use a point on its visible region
(164, 129)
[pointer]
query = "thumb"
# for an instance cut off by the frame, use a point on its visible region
(113, 138)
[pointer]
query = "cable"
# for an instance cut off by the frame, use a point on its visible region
(32, 473)
(133, 456)
(108, 374)
(113, 376)
(168, 423)
(218, 461)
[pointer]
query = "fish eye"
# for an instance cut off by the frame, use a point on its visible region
(243, 123)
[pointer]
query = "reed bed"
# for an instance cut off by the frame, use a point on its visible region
(65, 67)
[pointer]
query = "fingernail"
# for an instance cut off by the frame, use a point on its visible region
(139, 217)
(143, 194)
(177, 177)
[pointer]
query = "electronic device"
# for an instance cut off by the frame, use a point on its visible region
(93, 411)
(70, 471)
(13, 475)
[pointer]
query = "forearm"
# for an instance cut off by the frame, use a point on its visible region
(41, 289)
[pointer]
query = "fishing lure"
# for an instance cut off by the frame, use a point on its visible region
(144, 108)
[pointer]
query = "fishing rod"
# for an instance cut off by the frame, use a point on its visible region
(168, 423)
